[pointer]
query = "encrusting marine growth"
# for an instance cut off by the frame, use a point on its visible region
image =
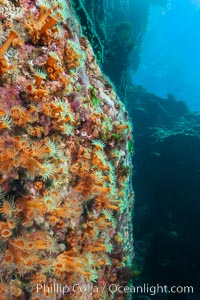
(65, 159)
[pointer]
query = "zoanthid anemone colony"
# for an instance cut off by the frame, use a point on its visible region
(65, 160)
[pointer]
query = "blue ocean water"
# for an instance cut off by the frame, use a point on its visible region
(170, 57)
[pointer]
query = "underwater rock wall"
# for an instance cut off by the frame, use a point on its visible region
(111, 33)
(65, 160)
(166, 185)
(116, 35)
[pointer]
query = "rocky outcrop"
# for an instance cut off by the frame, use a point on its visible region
(65, 161)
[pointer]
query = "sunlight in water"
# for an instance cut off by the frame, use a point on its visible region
(196, 2)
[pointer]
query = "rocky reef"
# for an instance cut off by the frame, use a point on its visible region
(110, 30)
(166, 184)
(116, 34)
(166, 160)
(65, 161)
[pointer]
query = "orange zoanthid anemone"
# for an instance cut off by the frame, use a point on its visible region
(4, 66)
(3, 48)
